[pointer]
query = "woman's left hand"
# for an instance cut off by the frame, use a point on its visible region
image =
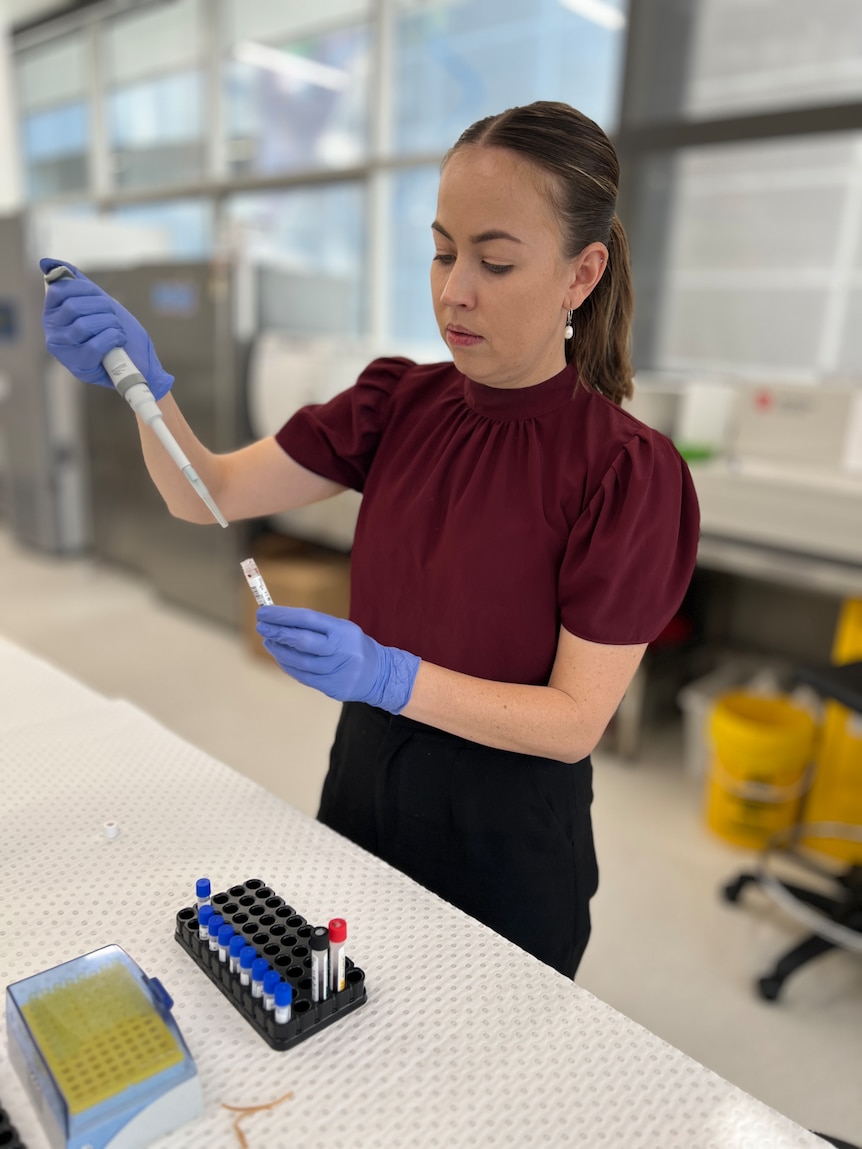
(336, 657)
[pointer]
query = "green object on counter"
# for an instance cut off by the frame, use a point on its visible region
(695, 452)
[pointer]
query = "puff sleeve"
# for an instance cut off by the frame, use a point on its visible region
(339, 439)
(631, 553)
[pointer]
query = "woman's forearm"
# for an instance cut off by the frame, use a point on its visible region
(254, 480)
(563, 720)
(178, 494)
(539, 720)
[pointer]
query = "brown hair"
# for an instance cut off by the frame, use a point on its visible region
(581, 161)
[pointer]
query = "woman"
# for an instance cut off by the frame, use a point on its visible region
(520, 542)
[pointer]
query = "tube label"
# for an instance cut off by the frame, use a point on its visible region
(255, 580)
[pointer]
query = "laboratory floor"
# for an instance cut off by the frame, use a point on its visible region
(666, 949)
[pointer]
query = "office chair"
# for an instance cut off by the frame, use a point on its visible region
(834, 917)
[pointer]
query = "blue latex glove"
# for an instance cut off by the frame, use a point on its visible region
(337, 657)
(82, 324)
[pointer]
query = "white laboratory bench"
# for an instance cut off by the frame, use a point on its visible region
(465, 1040)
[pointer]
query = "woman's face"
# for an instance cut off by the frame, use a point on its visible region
(500, 285)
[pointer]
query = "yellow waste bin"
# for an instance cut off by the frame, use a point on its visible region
(836, 791)
(760, 750)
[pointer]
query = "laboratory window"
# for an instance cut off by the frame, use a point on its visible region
(412, 202)
(156, 131)
(180, 229)
(719, 58)
(308, 246)
(761, 268)
(296, 85)
(455, 63)
(154, 39)
(298, 104)
(51, 84)
(773, 54)
(55, 149)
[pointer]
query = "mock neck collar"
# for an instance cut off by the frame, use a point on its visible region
(522, 402)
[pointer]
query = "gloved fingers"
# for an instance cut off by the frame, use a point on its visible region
(69, 299)
(305, 629)
(84, 329)
(81, 350)
(62, 306)
(66, 288)
(298, 639)
(303, 663)
(90, 337)
(73, 326)
(298, 616)
(48, 264)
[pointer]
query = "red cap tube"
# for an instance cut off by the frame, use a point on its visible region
(338, 931)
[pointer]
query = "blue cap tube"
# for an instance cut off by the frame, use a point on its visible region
(237, 944)
(202, 892)
(258, 968)
(247, 955)
(225, 934)
(283, 998)
(204, 915)
(213, 926)
(270, 980)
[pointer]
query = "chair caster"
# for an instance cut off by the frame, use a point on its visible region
(769, 987)
(733, 889)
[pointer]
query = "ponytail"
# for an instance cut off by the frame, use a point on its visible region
(600, 347)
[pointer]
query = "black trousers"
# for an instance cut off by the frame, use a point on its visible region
(505, 837)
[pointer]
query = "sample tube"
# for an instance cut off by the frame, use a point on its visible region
(255, 580)
(225, 937)
(283, 997)
(337, 955)
(204, 915)
(213, 926)
(202, 892)
(270, 980)
(319, 943)
(247, 955)
(258, 968)
(237, 943)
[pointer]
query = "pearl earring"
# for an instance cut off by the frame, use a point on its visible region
(569, 331)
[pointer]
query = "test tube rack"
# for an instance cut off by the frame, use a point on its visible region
(280, 935)
(9, 1137)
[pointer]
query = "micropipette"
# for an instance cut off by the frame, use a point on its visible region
(131, 384)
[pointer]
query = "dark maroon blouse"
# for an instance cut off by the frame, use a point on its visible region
(489, 516)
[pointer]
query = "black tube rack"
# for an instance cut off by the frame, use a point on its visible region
(280, 935)
(9, 1137)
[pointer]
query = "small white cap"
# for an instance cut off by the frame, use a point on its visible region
(111, 830)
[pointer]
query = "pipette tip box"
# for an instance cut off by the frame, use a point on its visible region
(99, 1053)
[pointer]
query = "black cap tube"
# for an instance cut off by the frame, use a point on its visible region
(319, 939)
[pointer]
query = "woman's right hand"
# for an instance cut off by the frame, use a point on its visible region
(82, 324)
